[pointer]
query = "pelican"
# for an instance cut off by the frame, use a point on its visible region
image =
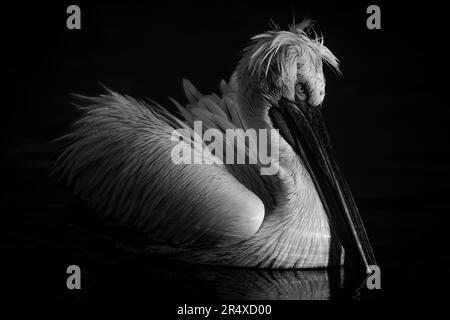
(117, 160)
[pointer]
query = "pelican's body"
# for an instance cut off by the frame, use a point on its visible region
(118, 160)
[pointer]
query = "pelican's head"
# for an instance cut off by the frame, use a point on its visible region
(281, 85)
(285, 65)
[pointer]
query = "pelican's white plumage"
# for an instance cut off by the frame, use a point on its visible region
(117, 159)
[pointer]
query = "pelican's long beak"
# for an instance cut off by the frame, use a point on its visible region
(302, 126)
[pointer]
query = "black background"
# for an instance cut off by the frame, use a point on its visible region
(386, 115)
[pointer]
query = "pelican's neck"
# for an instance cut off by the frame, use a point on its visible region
(296, 196)
(295, 231)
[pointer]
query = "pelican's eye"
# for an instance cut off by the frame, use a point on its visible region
(300, 91)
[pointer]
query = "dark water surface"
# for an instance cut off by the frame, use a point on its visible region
(45, 231)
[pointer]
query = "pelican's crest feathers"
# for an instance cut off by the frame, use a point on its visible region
(288, 46)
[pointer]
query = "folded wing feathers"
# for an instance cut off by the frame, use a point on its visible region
(222, 115)
(192, 94)
(214, 112)
(114, 158)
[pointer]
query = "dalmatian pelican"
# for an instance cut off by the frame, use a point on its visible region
(117, 160)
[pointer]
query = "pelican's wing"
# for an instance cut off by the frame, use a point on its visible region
(223, 113)
(224, 108)
(119, 160)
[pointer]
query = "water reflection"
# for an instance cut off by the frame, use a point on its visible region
(235, 283)
(152, 278)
